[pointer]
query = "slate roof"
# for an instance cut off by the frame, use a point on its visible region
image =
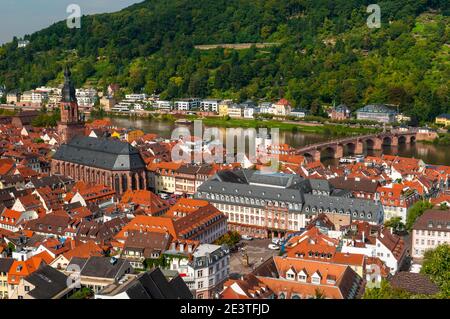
(48, 282)
(102, 267)
(434, 220)
(286, 188)
(444, 116)
(376, 108)
(104, 153)
(352, 205)
(279, 180)
(320, 185)
(254, 191)
(5, 264)
(68, 92)
(153, 285)
(415, 283)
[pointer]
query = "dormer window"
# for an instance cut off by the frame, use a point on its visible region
(316, 278)
(302, 276)
(290, 274)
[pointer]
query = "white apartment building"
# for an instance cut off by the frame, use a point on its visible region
(35, 96)
(163, 105)
(249, 112)
(187, 104)
(267, 108)
(210, 105)
(429, 231)
(206, 272)
(86, 98)
(136, 97)
(121, 108)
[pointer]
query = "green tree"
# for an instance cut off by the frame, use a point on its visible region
(416, 211)
(230, 239)
(396, 224)
(385, 291)
(436, 265)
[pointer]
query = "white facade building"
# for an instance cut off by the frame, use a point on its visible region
(429, 231)
(187, 104)
(210, 105)
(207, 270)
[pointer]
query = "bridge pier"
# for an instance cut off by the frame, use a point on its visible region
(316, 156)
(339, 151)
(394, 141)
(359, 148)
(377, 144)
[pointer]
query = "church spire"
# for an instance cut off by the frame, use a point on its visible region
(68, 92)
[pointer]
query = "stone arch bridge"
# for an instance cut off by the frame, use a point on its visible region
(356, 144)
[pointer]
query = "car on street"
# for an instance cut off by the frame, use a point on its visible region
(273, 247)
(164, 196)
(247, 237)
(276, 241)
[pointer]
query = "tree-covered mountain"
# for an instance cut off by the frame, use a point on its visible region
(325, 52)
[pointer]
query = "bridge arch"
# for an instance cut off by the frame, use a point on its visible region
(349, 148)
(402, 139)
(309, 157)
(370, 143)
(387, 140)
(328, 152)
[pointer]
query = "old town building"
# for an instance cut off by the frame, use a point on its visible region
(266, 205)
(104, 161)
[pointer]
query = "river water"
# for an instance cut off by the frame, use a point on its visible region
(429, 153)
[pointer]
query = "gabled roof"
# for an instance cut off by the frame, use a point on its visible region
(392, 242)
(84, 250)
(102, 267)
(105, 153)
(153, 285)
(434, 220)
(5, 264)
(48, 282)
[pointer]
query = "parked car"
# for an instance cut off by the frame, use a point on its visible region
(247, 237)
(273, 247)
(164, 196)
(276, 241)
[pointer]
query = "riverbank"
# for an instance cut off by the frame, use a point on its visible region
(325, 129)
(443, 140)
(338, 130)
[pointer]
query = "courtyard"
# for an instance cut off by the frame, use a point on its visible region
(257, 252)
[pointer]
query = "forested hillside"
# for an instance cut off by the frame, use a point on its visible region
(325, 52)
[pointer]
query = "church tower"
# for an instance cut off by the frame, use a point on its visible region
(71, 123)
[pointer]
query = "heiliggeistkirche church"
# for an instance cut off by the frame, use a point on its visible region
(102, 160)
